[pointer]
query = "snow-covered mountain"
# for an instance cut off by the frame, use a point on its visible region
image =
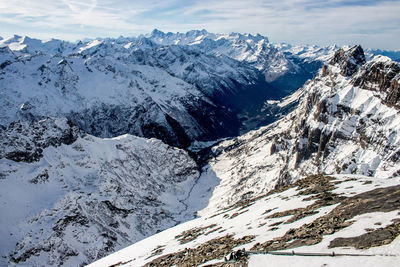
(346, 125)
(69, 198)
(273, 60)
(394, 55)
(75, 185)
(347, 121)
(175, 87)
(108, 93)
(119, 190)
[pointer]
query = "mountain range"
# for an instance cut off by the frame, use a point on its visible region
(109, 141)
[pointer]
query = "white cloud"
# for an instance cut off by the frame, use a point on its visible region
(371, 23)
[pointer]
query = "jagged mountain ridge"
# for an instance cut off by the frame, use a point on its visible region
(70, 218)
(107, 87)
(94, 92)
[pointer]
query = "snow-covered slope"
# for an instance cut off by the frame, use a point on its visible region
(344, 214)
(346, 125)
(347, 121)
(70, 198)
(83, 197)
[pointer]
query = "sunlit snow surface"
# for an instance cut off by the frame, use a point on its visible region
(252, 221)
(79, 197)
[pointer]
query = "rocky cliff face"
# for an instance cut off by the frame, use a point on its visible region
(349, 61)
(25, 140)
(381, 77)
(266, 199)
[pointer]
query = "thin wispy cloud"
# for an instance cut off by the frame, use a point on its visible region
(371, 23)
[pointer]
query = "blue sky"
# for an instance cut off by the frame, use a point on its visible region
(371, 23)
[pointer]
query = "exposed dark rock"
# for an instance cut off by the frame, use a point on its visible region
(374, 238)
(192, 234)
(382, 77)
(25, 140)
(213, 249)
(40, 178)
(116, 210)
(349, 61)
(377, 200)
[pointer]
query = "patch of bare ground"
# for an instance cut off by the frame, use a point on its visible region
(375, 238)
(377, 200)
(319, 188)
(192, 234)
(157, 251)
(216, 248)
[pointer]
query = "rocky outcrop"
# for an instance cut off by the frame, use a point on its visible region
(349, 61)
(378, 200)
(319, 216)
(373, 238)
(213, 249)
(25, 140)
(382, 76)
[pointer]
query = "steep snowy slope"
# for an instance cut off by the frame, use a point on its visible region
(346, 125)
(69, 198)
(347, 122)
(344, 214)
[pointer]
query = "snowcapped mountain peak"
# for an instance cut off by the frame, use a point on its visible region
(157, 32)
(91, 44)
(349, 60)
(197, 33)
(26, 45)
(12, 39)
(380, 58)
(14, 42)
(381, 75)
